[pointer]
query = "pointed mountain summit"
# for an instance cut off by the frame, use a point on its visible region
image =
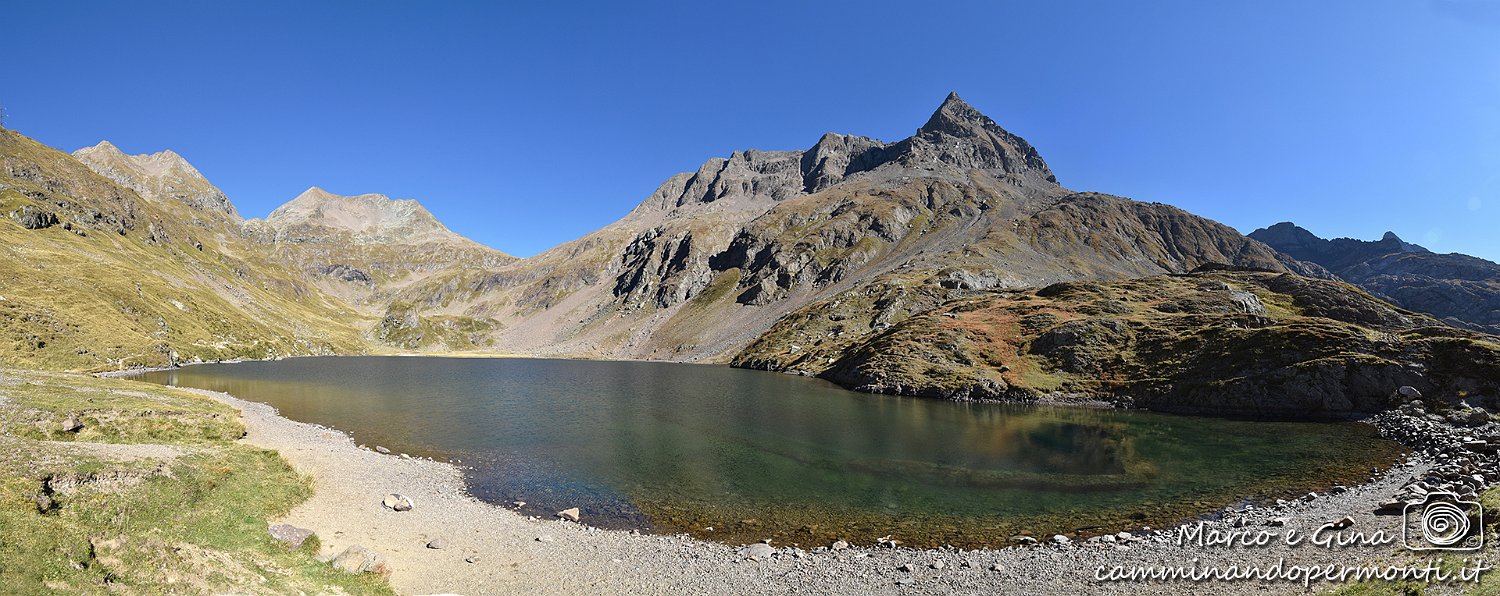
(1391, 239)
(956, 139)
(163, 176)
(960, 136)
(956, 117)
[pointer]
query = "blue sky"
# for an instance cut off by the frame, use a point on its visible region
(526, 126)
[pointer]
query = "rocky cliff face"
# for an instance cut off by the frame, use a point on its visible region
(1459, 289)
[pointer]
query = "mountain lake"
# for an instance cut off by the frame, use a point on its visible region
(739, 456)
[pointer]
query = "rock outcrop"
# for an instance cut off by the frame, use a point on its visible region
(1220, 342)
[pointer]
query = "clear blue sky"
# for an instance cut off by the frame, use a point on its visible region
(526, 126)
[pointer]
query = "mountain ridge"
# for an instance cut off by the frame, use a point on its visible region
(781, 260)
(724, 251)
(1461, 290)
(163, 176)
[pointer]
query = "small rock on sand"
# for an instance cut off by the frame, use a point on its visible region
(570, 514)
(379, 449)
(1390, 507)
(759, 550)
(839, 545)
(358, 559)
(437, 544)
(398, 502)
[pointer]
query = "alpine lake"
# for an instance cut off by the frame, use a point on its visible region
(739, 456)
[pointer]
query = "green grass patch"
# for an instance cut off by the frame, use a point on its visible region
(186, 511)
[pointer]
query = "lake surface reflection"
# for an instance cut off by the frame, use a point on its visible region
(753, 455)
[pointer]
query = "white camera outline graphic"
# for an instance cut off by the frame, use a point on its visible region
(1445, 514)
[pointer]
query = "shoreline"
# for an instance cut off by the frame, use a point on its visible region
(1050, 399)
(511, 552)
(125, 373)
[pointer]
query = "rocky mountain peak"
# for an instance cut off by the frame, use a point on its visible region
(1289, 238)
(102, 148)
(956, 117)
(367, 219)
(163, 176)
(959, 136)
(956, 138)
(1395, 242)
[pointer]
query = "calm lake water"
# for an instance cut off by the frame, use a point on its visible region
(752, 455)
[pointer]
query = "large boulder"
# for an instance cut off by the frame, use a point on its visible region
(290, 535)
(32, 218)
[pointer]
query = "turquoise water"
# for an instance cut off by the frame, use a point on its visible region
(682, 447)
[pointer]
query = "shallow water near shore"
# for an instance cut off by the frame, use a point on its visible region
(739, 456)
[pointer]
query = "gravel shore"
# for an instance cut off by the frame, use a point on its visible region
(490, 550)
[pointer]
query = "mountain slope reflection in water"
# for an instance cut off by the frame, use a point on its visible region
(753, 455)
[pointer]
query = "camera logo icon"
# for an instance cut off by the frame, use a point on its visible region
(1443, 521)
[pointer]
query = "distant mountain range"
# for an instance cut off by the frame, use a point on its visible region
(1461, 290)
(787, 260)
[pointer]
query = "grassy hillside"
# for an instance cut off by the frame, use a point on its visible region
(152, 495)
(94, 277)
